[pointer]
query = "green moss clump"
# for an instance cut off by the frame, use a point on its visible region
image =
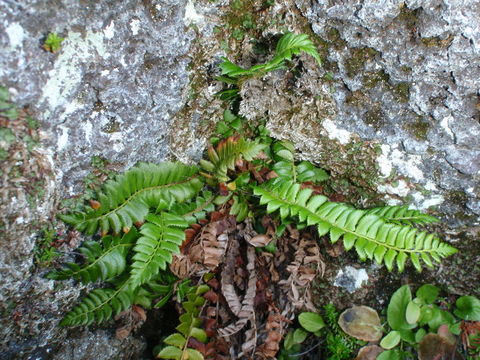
(359, 56)
(356, 98)
(436, 41)
(419, 129)
(371, 79)
(408, 17)
(375, 118)
(401, 91)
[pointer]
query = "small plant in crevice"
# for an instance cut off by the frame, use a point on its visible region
(53, 42)
(289, 44)
(335, 344)
(164, 226)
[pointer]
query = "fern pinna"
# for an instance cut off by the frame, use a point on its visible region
(371, 235)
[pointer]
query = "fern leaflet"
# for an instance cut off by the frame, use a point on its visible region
(127, 199)
(196, 209)
(161, 237)
(103, 262)
(402, 214)
(284, 167)
(289, 44)
(371, 236)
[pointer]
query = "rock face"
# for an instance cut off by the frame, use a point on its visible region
(393, 113)
(111, 91)
(406, 75)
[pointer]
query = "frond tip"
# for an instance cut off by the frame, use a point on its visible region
(370, 235)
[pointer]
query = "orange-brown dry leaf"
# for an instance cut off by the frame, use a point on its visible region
(271, 345)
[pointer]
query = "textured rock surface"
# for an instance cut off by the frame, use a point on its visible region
(393, 114)
(406, 74)
(111, 91)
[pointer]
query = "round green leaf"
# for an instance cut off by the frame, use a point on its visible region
(299, 336)
(288, 342)
(175, 339)
(412, 313)
(391, 340)
(170, 352)
(194, 355)
(420, 334)
(311, 321)
(199, 334)
(389, 355)
(408, 336)
(428, 293)
(397, 309)
(455, 328)
(468, 308)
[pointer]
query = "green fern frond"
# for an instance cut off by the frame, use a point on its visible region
(239, 208)
(227, 153)
(369, 234)
(291, 44)
(127, 199)
(178, 343)
(161, 237)
(102, 262)
(402, 214)
(98, 306)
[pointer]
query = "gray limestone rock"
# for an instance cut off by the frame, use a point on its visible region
(111, 91)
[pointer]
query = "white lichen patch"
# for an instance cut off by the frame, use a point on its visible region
(406, 164)
(351, 278)
(16, 35)
(62, 140)
(66, 76)
(424, 203)
(191, 15)
(333, 132)
(400, 188)
(135, 26)
(109, 31)
(445, 124)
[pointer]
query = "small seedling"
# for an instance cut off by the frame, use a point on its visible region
(53, 43)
